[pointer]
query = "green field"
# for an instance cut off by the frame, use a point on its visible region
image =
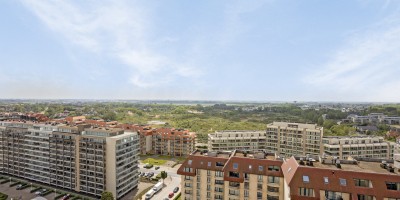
(154, 161)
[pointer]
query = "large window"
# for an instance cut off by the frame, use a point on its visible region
(234, 174)
(362, 182)
(306, 179)
(393, 185)
(273, 179)
(273, 168)
(331, 195)
(364, 197)
(308, 192)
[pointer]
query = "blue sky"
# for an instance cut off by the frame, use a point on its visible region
(201, 50)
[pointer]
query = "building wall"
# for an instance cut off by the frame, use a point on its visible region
(289, 139)
(241, 140)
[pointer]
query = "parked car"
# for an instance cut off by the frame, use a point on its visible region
(158, 167)
(148, 166)
(171, 195)
(176, 189)
(65, 197)
(166, 198)
(42, 192)
(19, 186)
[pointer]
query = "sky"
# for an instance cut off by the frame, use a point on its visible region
(261, 50)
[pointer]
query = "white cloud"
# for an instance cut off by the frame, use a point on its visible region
(116, 29)
(366, 67)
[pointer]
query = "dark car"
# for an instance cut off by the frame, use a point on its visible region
(158, 167)
(176, 189)
(171, 195)
(65, 197)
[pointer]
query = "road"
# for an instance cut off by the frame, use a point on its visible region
(173, 180)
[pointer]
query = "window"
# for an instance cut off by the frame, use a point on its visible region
(273, 189)
(188, 169)
(260, 178)
(208, 172)
(362, 182)
(219, 182)
(364, 197)
(208, 179)
(306, 179)
(326, 180)
(189, 162)
(342, 182)
(260, 168)
(209, 164)
(308, 192)
(273, 179)
(273, 168)
(234, 174)
(219, 164)
(235, 166)
(392, 186)
(219, 174)
(246, 193)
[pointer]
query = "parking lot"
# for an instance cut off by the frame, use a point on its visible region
(173, 180)
(24, 194)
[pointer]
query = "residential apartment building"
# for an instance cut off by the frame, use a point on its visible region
(81, 158)
(374, 118)
(360, 147)
(231, 175)
(255, 176)
(240, 140)
(163, 141)
(294, 139)
(340, 180)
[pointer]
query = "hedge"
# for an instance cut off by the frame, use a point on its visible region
(177, 196)
(47, 192)
(14, 184)
(36, 189)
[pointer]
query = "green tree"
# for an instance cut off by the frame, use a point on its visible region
(107, 196)
(163, 175)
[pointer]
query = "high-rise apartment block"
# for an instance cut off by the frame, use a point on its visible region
(231, 175)
(81, 157)
(360, 147)
(240, 140)
(259, 175)
(294, 139)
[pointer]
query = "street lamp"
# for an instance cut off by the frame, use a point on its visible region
(55, 193)
(10, 181)
(31, 186)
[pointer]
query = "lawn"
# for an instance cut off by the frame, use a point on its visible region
(154, 161)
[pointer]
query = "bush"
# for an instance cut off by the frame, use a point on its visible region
(177, 196)
(47, 192)
(59, 196)
(14, 184)
(3, 196)
(36, 189)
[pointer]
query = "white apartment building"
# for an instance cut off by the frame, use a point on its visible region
(362, 146)
(240, 140)
(79, 158)
(294, 139)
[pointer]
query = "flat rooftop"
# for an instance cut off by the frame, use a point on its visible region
(259, 155)
(361, 166)
(213, 154)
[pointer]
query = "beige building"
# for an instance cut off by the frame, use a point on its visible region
(240, 140)
(231, 175)
(294, 139)
(362, 147)
(255, 176)
(79, 158)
